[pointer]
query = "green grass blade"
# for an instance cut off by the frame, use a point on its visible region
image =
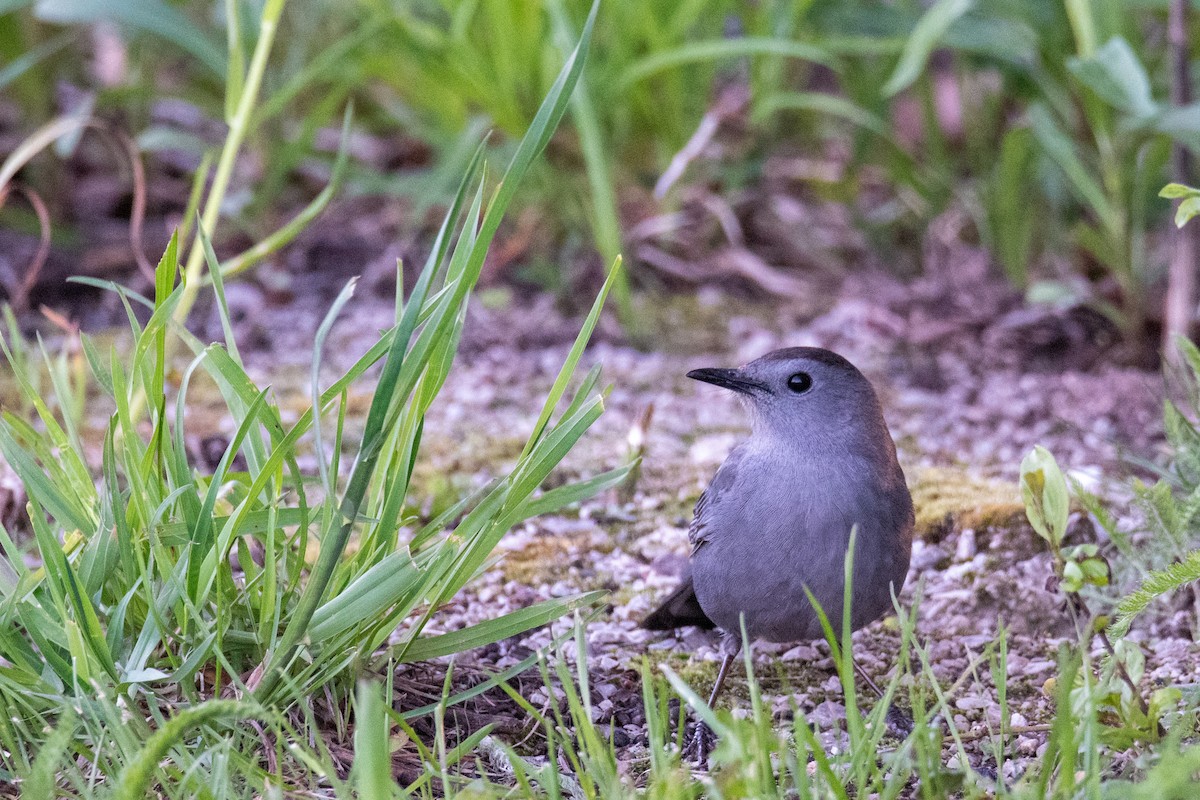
(1063, 151)
(571, 362)
(235, 70)
(38, 485)
(334, 541)
(315, 382)
(40, 783)
(929, 30)
(494, 630)
(720, 50)
(278, 239)
(135, 778)
(372, 760)
(367, 597)
(154, 16)
(561, 496)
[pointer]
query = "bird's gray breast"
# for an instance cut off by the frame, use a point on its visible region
(768, 529)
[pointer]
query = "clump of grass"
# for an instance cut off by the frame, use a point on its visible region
(160, 589)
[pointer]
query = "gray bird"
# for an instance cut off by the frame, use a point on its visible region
(776, 519)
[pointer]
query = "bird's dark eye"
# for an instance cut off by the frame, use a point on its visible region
(800, 383)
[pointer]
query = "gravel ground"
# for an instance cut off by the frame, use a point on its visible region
(970, 379)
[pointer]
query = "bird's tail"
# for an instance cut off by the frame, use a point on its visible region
(681, 608)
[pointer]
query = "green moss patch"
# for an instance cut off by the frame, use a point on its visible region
(948, 500)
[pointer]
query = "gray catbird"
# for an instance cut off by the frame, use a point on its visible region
(776, 519)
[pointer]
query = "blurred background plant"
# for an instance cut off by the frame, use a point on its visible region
(1044, 122)
(1040, 130)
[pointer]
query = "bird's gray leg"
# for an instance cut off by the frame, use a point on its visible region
(701, 743)
(899, 721)
(720, 682)
(866, 678)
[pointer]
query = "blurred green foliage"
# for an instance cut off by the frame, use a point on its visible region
(1044, 121)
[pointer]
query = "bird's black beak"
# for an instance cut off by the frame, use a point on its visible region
(727, 379)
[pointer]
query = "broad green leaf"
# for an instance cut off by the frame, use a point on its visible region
(1131, 656)
(1161, 701)
(1095, 571)
(1072, 580)
(1187, 209)
(1013, 41)
(1117, 77)
(1180, 123)
(1176, 191)
(1045, 494)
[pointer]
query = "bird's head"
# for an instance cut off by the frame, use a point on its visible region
(804, 394)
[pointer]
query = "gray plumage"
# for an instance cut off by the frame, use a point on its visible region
(777, 517)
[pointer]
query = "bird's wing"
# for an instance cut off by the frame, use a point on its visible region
(701, 529)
